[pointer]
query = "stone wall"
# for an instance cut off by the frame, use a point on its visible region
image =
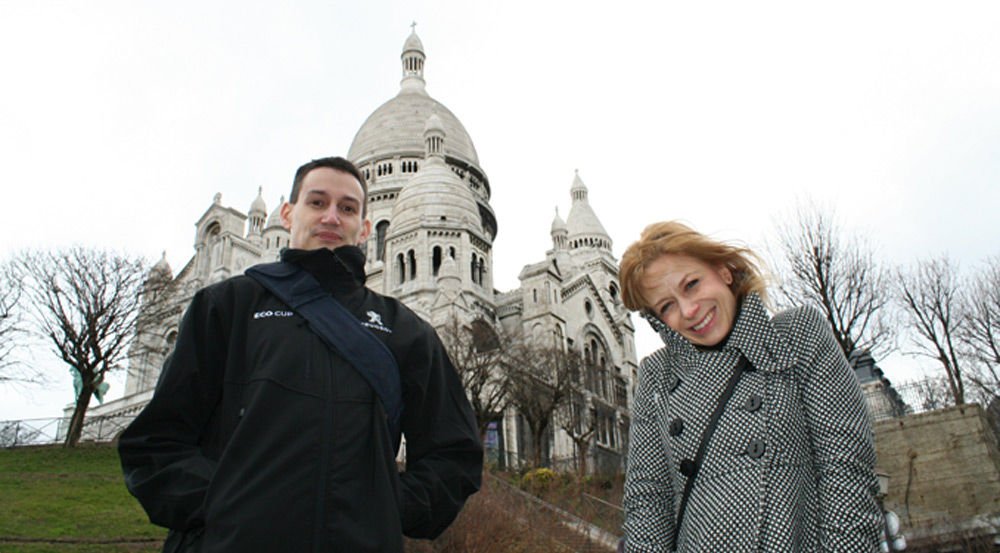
(944, 470)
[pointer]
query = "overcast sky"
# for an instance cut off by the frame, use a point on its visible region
(119, 121)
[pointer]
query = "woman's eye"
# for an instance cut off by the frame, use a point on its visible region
(691, 284)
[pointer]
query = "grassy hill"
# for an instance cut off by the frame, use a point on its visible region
(74, 501)
(69, 501)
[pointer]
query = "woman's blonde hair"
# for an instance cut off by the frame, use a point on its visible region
(672, 237)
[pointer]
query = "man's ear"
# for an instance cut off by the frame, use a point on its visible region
(286, 215)
(366, 230)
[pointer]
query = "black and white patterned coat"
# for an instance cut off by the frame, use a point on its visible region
(791, 465)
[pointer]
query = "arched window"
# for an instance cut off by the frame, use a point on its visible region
(602, 364)
(412, 259)
(400, 269)
(381, 229)
(437, 259)
(596, 358)
(472, 269)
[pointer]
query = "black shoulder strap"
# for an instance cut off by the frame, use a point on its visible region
(341, 330)
(713, 423)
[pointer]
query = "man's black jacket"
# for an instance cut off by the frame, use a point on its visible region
(260, 438)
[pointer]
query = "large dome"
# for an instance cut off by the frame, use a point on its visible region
(397, 127)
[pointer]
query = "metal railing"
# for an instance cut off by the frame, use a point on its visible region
(27, 432)
(909, 398)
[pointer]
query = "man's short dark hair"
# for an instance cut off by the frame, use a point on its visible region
(337, 164)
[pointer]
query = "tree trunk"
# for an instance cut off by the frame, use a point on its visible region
(75, 429)
(583, 448)
(537, 438)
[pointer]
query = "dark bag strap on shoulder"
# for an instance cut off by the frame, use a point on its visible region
(720, 406)
(341, 330)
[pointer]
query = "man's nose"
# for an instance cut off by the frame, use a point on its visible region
(331, 216)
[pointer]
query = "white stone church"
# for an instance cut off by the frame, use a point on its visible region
(432, 247)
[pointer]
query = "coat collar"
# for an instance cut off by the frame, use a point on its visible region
(337, 271)
(753, 336)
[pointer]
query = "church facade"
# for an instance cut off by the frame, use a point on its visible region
(432, 247)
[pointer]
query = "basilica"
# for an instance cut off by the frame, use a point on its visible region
(432, 247)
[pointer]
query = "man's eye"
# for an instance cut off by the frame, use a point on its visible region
(350, 209)
(316, 203)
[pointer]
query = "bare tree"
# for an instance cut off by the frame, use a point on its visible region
(980, 336)
(837, 273)
(12, 328)
(541, 380)
(578, 421)
(930, 297)
(477, 351)
(88, 304)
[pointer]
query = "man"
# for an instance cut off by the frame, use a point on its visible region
(260, 437)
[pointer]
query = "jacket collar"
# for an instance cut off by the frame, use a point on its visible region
(753, 336)
(337, 271)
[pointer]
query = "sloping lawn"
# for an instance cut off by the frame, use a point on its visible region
(74, 501)
(54, 500)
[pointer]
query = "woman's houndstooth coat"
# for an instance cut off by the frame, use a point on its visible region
(791, 465)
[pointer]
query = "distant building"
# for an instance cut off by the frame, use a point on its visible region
(432, 247)
(881, 397)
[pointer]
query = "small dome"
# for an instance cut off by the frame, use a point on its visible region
(258, 205)
(162, 269)
(448, 269)
(582, 221)
(434, 124)
(274, 220)
(435, 195)
(558, 225)
(413, 43)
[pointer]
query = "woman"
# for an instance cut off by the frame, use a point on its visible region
(749, 433)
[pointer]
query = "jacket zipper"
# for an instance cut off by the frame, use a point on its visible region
(324, 459)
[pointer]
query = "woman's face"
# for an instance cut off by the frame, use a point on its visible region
(691, 297)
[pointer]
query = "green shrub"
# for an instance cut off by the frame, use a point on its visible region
(539, 480)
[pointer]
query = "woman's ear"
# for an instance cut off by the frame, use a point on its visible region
(726, 275)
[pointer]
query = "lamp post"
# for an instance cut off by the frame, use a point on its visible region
(891, 539)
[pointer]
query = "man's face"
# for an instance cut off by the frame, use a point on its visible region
(328, 211)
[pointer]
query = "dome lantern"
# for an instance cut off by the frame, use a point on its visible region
(413, 62)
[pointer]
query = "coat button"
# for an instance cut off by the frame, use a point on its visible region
(753, 403)
(673, 383)
(676, 427)
(688, 468)
(756, 449)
